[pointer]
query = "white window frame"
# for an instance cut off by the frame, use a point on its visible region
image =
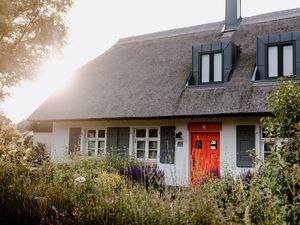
(96, 139)
(210, 59)
(288, 60)
(279, 71)
(147, 139)
(273, 61)
(264, 140)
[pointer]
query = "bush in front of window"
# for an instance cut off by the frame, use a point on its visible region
(275, 192)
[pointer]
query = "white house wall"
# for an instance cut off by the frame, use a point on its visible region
(44, 138)
(178, 173)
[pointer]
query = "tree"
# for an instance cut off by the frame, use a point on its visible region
(277, 188)
(30, 30)
(9, 135)
(4, 120)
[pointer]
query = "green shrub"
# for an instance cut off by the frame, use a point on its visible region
(276, 191)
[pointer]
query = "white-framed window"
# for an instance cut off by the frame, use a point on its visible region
(95, 141)
(280, 60)
(146, 143)
(211, 67)
(266, 147)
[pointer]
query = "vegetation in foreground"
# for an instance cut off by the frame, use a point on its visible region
(100, 191)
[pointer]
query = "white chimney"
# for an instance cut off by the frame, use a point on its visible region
(232, 15)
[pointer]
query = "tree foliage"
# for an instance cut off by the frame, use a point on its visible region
(30, 30)
(9, 135)
(285, 105)
(277, 188)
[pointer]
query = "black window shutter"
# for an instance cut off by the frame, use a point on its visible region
(167, 144)
(245, 142)
(74, 139)
(194, 79)
(261, 58)
(112, 139)
(123, 139)
(230, 55)
(227, 60)
(296, 36)
(117, 139)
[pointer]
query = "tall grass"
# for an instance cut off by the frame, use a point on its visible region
(50, 194)
(92, 191)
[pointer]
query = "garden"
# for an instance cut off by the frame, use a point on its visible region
(119, 190)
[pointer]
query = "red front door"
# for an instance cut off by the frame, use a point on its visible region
(205, 155)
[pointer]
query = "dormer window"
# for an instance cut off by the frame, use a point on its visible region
(213, 63)
(278, 55)
(280, 60)
(211, 68)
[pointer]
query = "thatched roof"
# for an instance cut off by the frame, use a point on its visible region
(146, 76)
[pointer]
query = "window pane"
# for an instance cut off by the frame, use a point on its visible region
(140, 133)
(140, 154)
(152, 133)
(288, 60)
(205, 69)
(152, 154)
(152, 144)
(101, 147)
(91, 144)
(140, 145)
(100, 144)
(91, 133)
(267, 150)
(217, 67)
(101, 133)
(91, 148)
(273, 61)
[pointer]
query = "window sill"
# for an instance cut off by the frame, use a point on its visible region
(271, 81)
(208, 86)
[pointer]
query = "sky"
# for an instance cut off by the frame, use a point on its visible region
(95, 25)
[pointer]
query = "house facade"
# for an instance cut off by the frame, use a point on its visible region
(187, 100)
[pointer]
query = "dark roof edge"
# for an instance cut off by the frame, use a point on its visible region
(266, 17)
(251, 114)
(172, 32)
(283, 14)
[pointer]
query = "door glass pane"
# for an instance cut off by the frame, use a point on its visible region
(152, 144)
(205, 69)
(140, 145)
(288, 60)
(152, 133)
(152, 154)
(101, 133)
(199, 144)
(140, 154)
(91, 133)
(217, 67)
(273, 61)
(140, 133)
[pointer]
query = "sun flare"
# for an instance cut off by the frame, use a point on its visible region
(54, 75)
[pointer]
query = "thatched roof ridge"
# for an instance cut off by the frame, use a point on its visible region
(145, 76)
